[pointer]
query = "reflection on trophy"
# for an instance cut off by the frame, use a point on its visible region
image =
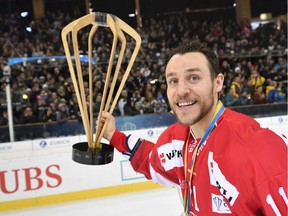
(94, 151)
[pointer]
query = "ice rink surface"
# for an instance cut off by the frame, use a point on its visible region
(163, 201)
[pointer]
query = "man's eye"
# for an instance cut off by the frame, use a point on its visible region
(194, 78)
(172, 81)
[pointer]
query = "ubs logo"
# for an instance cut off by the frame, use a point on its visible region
(43, 143)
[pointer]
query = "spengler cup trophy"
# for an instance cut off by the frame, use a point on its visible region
(95, 151)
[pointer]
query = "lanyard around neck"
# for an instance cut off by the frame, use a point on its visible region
(187, 194)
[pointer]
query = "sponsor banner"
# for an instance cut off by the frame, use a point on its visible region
(56, 173)
(41, 144)
(15, 146)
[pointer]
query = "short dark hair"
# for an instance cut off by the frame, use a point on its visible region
(198, 46)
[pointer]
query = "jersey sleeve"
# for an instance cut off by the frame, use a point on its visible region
(146, 159)
(135, 149)
(273, 193)
(271, 196)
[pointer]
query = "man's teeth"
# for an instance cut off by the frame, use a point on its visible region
(185, 104)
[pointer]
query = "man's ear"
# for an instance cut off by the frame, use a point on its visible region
(219, 82)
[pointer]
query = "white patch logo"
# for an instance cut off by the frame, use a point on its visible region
(218, 180)
(219, 205)
(170, 154)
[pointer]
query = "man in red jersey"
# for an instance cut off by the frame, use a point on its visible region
(223, 161)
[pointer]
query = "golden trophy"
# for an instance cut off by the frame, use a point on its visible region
(94, 151)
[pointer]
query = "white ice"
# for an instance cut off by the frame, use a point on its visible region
(163, 201)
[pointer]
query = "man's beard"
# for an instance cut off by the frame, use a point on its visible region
(203, 111)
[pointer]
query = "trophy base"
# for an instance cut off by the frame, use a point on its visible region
(84, 155)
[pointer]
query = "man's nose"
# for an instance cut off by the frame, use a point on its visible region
(183, 89)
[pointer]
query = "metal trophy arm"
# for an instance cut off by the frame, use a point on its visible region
(131, 32)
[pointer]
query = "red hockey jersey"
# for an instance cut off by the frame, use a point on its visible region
(241, 169)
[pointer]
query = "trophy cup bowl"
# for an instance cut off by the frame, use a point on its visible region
(83, 154)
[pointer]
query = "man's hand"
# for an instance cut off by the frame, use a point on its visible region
(110, 126)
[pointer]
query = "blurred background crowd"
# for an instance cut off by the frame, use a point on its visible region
(254, 62)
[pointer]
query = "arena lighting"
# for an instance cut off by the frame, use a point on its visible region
(132, 15)
(28, 28)
(153, 81)
(265, 16)
(25, 96)
(24, 14)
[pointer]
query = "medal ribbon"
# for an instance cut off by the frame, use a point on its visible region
(187, 195)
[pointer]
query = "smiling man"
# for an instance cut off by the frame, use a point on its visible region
(222, 161)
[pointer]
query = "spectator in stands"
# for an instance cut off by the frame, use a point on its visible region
(147, 106)
(97, 104)
(36, 89)
(159, 105)
(136, 95)
(51, 82)
(73, 107)
(40, 107)
(275, 92)
(122, 101)
(230, 99)
(62, 93)
(45, 92)
(259, 97)
(270, 84)
(125, 105)
(4, 117)
(28, 116)
(130, 85)
(138, 78)
(236, 85)
(49, 115)
(146, 72)
(247, 86)
(281, 75)
(99, 86)
(15, 93)
(245, 98)
(54, 99)
(256, 78)
(228, 80)
(148, 91)
(62, 114)
(225, 67)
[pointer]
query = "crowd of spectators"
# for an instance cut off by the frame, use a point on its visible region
(254, 62)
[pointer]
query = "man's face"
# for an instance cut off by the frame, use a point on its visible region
(190, 89)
